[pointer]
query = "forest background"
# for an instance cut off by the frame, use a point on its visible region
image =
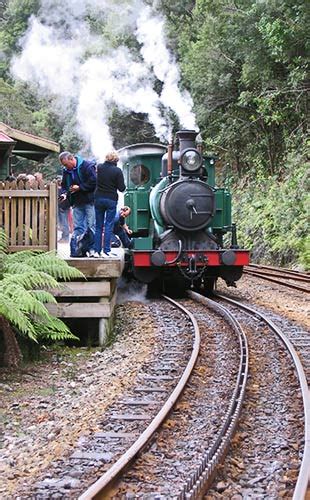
(246, 66)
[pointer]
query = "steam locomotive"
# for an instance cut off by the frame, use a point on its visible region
(180, 218)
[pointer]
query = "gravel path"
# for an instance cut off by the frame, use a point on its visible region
(39, 407)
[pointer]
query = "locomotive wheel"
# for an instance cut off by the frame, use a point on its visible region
(155, 288)
(175, 286)
(209, 286)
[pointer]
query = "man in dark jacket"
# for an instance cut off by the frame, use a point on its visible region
(77, 187)
(121, 230)
(110, 179)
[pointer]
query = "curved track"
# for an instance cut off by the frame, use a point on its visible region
(303, 480)
(199, 480)
(103, 485)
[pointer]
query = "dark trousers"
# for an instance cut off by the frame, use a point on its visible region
(123, 236)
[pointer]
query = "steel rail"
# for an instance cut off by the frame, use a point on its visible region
(111, 475)
(277, 274)
(303, 480)
(202, 477)
(298, 274)
(274, 280)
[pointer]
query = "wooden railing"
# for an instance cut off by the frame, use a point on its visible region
(28, 214)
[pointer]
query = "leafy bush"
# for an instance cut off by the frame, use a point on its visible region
(272, 215)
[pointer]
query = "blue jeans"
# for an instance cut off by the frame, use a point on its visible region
(83, 217)
(105, 209)
(63, 223)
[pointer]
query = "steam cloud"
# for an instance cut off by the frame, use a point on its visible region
(81, 71)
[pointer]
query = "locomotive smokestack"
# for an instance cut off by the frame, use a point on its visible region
(187, 139)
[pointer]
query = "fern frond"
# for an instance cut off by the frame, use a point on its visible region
(44, 296)
(55, 329)
(3, 241)
(32, 280)
(25, 278)
(55, 266)
(17, 318)
(24, 255)
(25, 301)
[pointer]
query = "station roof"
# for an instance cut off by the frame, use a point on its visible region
(27, 145)
(4, 139)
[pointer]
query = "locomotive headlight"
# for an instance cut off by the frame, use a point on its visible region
(191, 160)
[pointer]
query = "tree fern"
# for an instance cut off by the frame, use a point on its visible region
(25, 278)
(19, 319)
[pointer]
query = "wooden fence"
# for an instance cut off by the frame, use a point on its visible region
(28, 214)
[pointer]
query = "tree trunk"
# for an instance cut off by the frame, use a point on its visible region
(12, 353)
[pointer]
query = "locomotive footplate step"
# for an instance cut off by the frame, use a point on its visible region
(130, 417)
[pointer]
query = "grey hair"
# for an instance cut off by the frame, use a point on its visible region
(65, 155)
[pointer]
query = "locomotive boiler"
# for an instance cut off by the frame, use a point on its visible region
(181, 221)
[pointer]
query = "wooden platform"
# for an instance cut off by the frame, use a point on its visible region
(94, 297)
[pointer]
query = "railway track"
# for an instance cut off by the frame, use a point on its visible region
(298, 347)
(297, 274)
(280, 276)
(202, 473)
(178, 418)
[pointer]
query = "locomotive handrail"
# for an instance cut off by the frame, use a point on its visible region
(178, 254)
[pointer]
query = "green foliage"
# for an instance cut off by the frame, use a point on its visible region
(138, 129)
(276, 226)
(25, 278)
(13, 25)
(13, 110)
(246, 66)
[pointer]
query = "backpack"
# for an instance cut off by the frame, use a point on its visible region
(81, 244)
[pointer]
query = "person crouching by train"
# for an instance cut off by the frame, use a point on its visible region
(121, 232)
(77, 187)
(110, 179)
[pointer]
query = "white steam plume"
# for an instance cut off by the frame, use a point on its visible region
(150, 33)
(86, 76)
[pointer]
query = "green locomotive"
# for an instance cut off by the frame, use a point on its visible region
(179, 217)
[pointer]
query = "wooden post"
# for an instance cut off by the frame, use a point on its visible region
(103, 331)
(52, 216)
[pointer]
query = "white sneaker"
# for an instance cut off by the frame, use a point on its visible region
(91, 253)
(112, 255)
(109, 255)
(96, 255)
